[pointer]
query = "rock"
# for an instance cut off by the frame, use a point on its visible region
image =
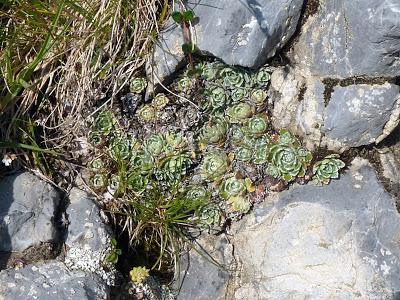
(336, 117)
(391, 165)
(89, 238)
(348, 38)
(244, 33)
(51, 281)
(356, 115)
(334, 242)
(151, 289)
(203, 277)
(28, 208)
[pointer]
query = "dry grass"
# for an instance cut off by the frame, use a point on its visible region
(58, 58)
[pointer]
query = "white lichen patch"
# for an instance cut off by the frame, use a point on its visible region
(93, 262)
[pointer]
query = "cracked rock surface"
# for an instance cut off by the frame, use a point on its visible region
(85, 273)
(244, 33)
(50, 281)
(28, 208)
(337, 117)
(347, 38)
(205, 275)
(335, 242)
(89, 238)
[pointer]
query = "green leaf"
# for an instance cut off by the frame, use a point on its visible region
(189, 48)
(188, 15)
(177, 16)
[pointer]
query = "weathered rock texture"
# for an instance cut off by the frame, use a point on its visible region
(346, 38)
(51, 281)
(338, 117)
(335, 242)
(28, 208)
(205, 276)
(244, 33)
(89, 238)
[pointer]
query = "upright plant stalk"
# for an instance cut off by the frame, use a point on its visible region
(183, 18)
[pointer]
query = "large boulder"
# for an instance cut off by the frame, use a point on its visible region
(51, 281)
(337, 115)
(244, 33)
(334, 242)
(28, 210)
(347, 38)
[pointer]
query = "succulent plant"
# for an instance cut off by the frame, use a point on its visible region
(232, 77)
(214, 131)
(262, 77)
(304, 154)
(96, 165)
(215, 98)
(142, 162)
(99, 181)
(120, 147)
(214, 165)
(240, 139)
(104, 123)
(147, 113)
(197, 193)
(173, 168)
(139, 275)
(210, 215)
(273, 171)
(174, 141)
(209, 71)
(256, 126)
(95, 138)
(243, 154)
(114, 183)
(232, 187)
(160, 101)
(258, 96)
(286, 138)
(155, 144)
(240, 204)
(327, 169)
(260, 153)
(287, 160)
(238, 94)
(137, 182)
(138, 85)
(184, 85)
(240, 112)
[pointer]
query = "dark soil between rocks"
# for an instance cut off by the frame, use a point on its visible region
(34, 254)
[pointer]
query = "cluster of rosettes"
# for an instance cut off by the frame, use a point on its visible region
(163, 157)
(234, 130)
(232, 103)
(228, 86)
(236, 121)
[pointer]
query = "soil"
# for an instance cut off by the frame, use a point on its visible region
(34, 254)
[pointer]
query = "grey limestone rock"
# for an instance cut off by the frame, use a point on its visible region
(334, 242)
(347, 38)
(356, 115)
(51, 281)
(89, 237)
(205, 277)
(344, 117)
(244, 33)
(28, 208)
